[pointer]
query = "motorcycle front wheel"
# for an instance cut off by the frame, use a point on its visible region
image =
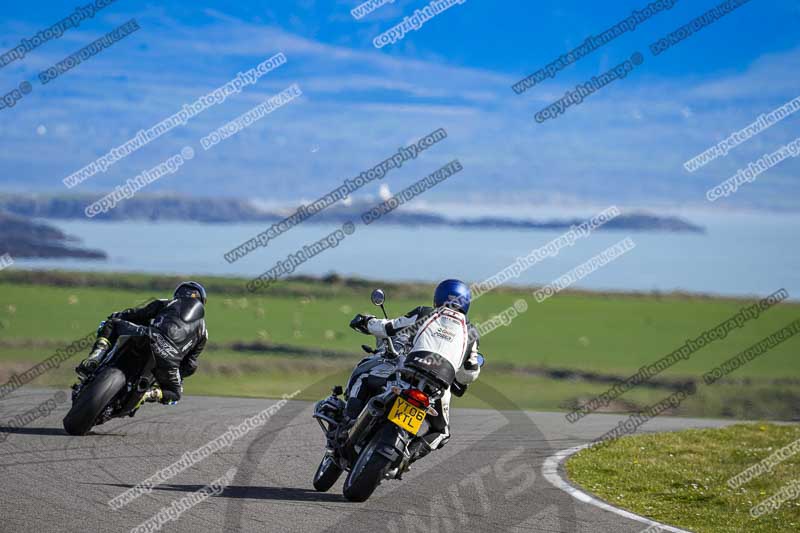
(327, 474)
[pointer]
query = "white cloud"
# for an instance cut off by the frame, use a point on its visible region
(627, 141)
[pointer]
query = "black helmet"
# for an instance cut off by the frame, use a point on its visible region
(190, 289)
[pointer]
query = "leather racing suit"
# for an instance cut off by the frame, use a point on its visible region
(174, 330)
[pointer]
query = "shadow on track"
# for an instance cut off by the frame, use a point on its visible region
(251, 492)
(57, 431)
(34, 431)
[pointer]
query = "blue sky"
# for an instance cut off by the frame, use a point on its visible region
(625, 144)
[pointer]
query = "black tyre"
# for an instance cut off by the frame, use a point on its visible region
(92, 400)
(368, 471)
(327, 474)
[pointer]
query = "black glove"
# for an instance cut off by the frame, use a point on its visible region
(475, 364)
(359, 323)
(471, 366)
(458, 389)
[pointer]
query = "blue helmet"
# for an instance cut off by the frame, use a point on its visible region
(455, 291)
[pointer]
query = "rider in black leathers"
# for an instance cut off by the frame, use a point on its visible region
(174, 330)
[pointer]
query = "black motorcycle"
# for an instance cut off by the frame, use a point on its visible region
(386, 437)
(114, 389)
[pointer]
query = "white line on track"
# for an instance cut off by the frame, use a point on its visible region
(550, 472)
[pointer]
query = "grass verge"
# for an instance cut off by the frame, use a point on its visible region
(681, 478)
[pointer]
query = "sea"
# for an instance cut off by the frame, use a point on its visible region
(739, 254)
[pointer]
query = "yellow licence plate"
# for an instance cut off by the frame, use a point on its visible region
(407, 416)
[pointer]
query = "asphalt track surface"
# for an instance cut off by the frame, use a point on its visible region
(488, 478)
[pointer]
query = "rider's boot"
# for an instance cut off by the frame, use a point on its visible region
(99, 350)
(425, 445)
(418, 450)
(155, 394)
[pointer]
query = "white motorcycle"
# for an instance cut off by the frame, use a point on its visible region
(386, 437)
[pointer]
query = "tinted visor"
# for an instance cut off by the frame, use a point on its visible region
(187, 291)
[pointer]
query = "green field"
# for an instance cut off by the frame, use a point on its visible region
(611, 335)
(681, 478)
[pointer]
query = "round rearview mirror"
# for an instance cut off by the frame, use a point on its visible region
(481, 360)
(377, 297)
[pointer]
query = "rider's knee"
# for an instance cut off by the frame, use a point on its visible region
(169, 396)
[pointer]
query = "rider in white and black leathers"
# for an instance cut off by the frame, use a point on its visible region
(441, 336)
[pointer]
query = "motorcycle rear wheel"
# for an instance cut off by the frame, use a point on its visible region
(92, 400)
(368, 471)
